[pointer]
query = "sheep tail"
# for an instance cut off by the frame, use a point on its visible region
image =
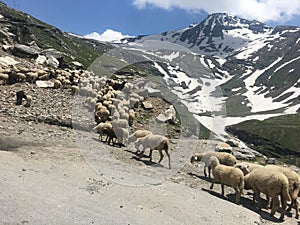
(285, 192)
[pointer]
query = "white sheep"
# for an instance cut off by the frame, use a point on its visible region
(57, 84)
(223, 157)
(247, 167)
(294, 185)
(272, 183)
(101, 127)
(28, 100)
(138, 134)
(119, 133)
(155, 142)
(131, 117)
(120, 123)
(102, 115)
(227, 175)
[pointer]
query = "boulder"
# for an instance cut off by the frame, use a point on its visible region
(52, 61)
(25, 51)
(8, 61)
(41, 59)
(44, 84)
(223, 147)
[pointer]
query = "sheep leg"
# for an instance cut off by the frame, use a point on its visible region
(150, 155)
(294, 204)
(212, 185)
(283, 206)
(161, 156)
(222, 189)
(209, 169)
(268, 202)
(237, 195)
(275, 206)
(167, 153)
(205, 174)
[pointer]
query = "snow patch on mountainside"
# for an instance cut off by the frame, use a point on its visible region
(258, 102)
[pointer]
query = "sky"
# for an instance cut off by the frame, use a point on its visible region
(113, 19)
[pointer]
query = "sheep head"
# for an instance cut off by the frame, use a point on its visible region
(196, 157)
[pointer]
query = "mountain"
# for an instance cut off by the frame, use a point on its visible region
(219, 34)
(231, 74)
(233, 70)
(18, 29)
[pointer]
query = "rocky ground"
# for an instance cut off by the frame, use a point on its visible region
(52, 174)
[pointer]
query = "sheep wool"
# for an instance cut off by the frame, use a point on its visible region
(227, 175)
(223, 157)
(294, 185)
(272, 183)
(155, 142)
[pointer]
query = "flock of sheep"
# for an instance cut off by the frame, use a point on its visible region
(272, 180)
(114, 103)
(114, 111)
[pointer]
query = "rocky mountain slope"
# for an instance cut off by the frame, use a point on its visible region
(24, 35)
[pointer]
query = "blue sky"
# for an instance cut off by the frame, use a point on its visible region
(134, 17)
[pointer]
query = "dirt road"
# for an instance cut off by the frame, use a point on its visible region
(44, 179)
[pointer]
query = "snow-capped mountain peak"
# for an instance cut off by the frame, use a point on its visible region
(219, 34)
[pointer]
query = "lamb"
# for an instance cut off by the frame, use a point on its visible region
(120, 123)
(223, 157)
(102, 115)
(138, 134)
(32, 76)
(131, 117)
(119, 133)
(28, 100)
(247, 167)
(101, 127)
(227, 175)
(272, 183)
(294, 185)
(57, 84)
(155, 142)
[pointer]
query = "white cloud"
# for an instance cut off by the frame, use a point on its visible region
(262, 10)
(108, 35)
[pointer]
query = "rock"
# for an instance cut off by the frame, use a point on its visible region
(78, 65)
(224, 147)
(25, 51)
(270, 161)
(53, 62)
(7, 47)
(162, 118)
(41, 59)
(52, 53)
(44, 84)
(147, 105)
(8, 61)
(232, 143)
